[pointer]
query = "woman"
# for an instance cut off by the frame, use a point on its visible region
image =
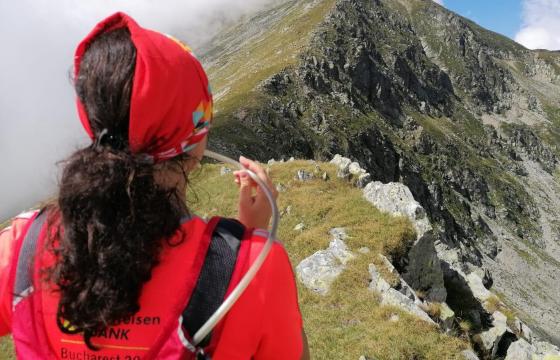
(120, 256)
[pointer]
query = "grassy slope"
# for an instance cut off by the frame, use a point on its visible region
(235, 74)
(348, 322)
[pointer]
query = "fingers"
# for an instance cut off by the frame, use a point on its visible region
(258, 170)
(245, 190)
(254, 167)
(254, 210)
(261, 174)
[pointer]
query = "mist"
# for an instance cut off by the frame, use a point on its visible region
(38, 121)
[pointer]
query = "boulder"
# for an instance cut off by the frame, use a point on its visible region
(522, 330)
(488, 340)
(363, 180)
(364, 250)
(446, 318)
(346, 169)
(377, 283)
(477, 287)
(469, 355)
(499, 319)
(224, 170)
(340, 161)
(520, 350)
(355, 169)
(396, 199)
(299, 227)
(338, 233)
(318, 271)
(343, 173)
(396, 298)
(343, 167)
(423, 271)
(303, 175)
(403, 287)
(391, 296)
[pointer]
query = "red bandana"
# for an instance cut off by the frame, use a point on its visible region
(171, 102)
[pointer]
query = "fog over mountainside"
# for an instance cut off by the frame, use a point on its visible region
(468, 119)
(38, 121)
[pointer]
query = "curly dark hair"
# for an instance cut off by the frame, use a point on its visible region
(113, 217)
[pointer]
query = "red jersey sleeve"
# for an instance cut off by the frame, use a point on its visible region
(9, 237)
(282, 322)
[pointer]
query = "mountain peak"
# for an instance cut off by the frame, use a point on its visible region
(468, 119)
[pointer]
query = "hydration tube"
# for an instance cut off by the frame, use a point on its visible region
(240, 288)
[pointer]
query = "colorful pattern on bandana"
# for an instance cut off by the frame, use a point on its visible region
(201, 118)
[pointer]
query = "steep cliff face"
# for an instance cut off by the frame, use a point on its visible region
(467, 119)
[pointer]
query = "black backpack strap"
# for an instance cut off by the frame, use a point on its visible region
(23, 284)
(215, 276)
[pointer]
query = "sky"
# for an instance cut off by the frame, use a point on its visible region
(532, 23)
(38, 122)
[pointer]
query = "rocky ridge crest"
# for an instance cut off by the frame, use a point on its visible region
(495, 335)
(468, 120)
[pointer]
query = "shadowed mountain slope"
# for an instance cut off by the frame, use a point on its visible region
(466, 118)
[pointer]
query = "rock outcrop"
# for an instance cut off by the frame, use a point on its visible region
(405, 299)
(396, 198)
(425, 267)
(421, 267)
(318, 271)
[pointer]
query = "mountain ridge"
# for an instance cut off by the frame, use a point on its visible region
(468, 120)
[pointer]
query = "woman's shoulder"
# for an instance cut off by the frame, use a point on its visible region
(256, 239)
(9, 242)
(277, 263)
(11, 233)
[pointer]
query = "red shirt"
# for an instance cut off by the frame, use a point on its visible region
(265, 323)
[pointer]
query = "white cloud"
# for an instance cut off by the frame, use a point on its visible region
(541, 25)
(439, 2)
(38, 122)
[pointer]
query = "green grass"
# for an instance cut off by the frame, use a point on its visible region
(348, 322)
(494, 303)
(265, 55)
(6, 348)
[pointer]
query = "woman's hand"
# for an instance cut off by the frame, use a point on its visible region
(254, 208)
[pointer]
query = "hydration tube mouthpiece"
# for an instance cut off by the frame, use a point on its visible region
(240, 288)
